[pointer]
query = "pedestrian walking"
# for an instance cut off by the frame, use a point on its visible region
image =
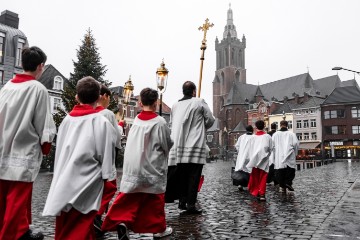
(244, 146)
(285, 145)
(110, 186)
(85, 151)
(190, 117)
(259, 161)
(271, 174)
(26, 132)
(140, 206)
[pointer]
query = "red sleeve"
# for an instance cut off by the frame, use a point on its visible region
(45, 148)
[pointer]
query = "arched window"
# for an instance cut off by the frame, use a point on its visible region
(237, 76)
(237, 116)
(58, 83)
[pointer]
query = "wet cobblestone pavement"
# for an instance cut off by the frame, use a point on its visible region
(325, 205)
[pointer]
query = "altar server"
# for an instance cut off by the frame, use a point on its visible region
(140, 204)
(26, 132)
(85, 150)
(259, 161)
(286, 147)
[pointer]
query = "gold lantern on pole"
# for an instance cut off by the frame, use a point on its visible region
(161, 82)
(126, 94)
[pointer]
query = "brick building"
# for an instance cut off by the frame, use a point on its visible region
(237, 103)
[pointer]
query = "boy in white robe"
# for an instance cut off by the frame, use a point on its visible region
(110, 186)
(286, 147)
(243, 146)
(259, 161)
(85, 151)
(140, 204)
(26, 132)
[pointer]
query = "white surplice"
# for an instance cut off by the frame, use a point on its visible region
(85, 149)
(243, 146)
(145, 170)
(109, 115)
(261, 146)
(25, 124)
(189, 120)
(285, 147)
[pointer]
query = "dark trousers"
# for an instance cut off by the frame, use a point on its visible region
(189, 177)
(271, 175)
(285, 176)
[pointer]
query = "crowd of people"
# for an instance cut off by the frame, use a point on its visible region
(161, 163)
(264, 158)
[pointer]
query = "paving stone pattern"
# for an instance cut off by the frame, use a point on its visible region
(325, 205)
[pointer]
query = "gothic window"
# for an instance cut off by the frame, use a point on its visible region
(232, 57)
(226, 57)
(237, 76)
(237, 116)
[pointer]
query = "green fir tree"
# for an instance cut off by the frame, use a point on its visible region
(88, 64)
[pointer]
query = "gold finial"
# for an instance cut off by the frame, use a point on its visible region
(205, 27)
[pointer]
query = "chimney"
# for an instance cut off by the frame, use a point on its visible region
(10, 19)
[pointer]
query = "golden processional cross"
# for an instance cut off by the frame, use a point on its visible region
(205, 27)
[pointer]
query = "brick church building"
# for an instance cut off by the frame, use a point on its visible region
(237, 103)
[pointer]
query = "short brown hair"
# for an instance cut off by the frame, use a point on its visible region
(284, 123)
(188, 88)
(148, 96)
(88, 90)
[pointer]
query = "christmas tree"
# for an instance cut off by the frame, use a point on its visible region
(88, 64)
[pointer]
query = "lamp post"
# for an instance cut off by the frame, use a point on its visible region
(284, 116)
(266, 121)
(341, 68)
(161, 81)
(127, 92)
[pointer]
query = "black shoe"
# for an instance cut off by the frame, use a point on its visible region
(122, 231)
(193, 210)
(97, 226)
(182, 206)
(29, 235)
(289, 187)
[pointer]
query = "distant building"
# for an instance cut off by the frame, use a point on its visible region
(54, 81)
(237, 103)
(12, 41)
(340, 114)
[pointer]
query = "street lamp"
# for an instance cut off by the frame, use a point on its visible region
(127, 93)
(161, 81)
(341, 68)
(284, 116)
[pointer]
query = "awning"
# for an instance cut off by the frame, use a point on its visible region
(309, 145)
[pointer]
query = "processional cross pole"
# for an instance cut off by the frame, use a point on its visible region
(205, 27)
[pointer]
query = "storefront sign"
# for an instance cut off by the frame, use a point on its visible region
(336, 143)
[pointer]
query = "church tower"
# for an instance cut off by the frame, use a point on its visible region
(230, 63)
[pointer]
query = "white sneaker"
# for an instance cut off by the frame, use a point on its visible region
(165, 233)
(282, 190)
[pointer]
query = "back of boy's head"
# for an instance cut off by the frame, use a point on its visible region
(88, 90)
(148, 96)
(31, 58)
(273, 126)
(260, 124)
(105, 90)
(249, 128)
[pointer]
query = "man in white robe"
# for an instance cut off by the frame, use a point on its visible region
(243, 147)
(259, 161)
(83, 161)
(26, 132)
(140, 206)
(285, 150)
(190, 117)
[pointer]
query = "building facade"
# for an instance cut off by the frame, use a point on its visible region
(12, 41)
(340, 114)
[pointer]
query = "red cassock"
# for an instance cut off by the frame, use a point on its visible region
(140, 212)
(15, 209)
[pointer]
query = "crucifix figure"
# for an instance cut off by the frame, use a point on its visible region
(205, 27)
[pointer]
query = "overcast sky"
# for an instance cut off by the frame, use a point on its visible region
(284, 38)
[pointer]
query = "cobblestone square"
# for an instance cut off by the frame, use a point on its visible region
(325, 205)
